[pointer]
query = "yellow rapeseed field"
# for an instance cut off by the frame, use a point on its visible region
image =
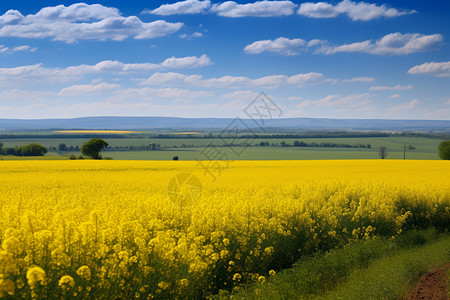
(108, 229)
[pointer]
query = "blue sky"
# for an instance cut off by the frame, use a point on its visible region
(200, 58)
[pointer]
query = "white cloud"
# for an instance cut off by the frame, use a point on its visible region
(337, 104)
(395, 96)
(241, 95)
(182, 7)
(81, 22)
(437, 69)
(187, 62)
(404, 106)
(391, 44)
(391, 88)
(272, 81)
(354, 101)
(77, 90)
(25, 95)
(304, 104)
(191, 36)
(356, 11)
(37, 73)
(26, 48)
(152, 93)
(230, 9)
(359, 79)
(353, 47)
(256, 9)
(239, 99)
(394, 44)
(280, 45)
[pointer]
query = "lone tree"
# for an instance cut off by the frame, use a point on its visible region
(93, 148)
(382, 152)
(444, 150)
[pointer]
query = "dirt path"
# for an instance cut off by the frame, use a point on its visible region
(432, 285)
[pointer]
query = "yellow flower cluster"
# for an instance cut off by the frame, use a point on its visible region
(107, 229)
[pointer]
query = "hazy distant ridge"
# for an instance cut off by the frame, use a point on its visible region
(218, 123)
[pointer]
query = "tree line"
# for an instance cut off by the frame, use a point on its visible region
(25, 150)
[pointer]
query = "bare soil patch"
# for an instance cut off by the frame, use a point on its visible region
(432, 285)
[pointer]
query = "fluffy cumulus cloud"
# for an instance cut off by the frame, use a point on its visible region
(187, 62)
(182, 7)
(437, 69)
(230, 9)
(39, 74)
(356, 11)
(280, 45)
(391, 88)
(256, 9)
(272, 81)
(391, 44)
(81, 22)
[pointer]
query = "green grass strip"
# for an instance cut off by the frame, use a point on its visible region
(374, 269)
(391, 277)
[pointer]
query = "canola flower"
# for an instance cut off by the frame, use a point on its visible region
(108, 230)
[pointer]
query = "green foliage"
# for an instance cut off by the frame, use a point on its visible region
(331, 275)
(393, 276)
(26, 150)
(444, 150)
(93, 148)
(72, 156)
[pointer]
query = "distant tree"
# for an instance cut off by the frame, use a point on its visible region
(444, 150)
(175, 158)
(382, 152)
(1, 149)
(31, 150)
(9, 151)
(62, 147)
(93, 148)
